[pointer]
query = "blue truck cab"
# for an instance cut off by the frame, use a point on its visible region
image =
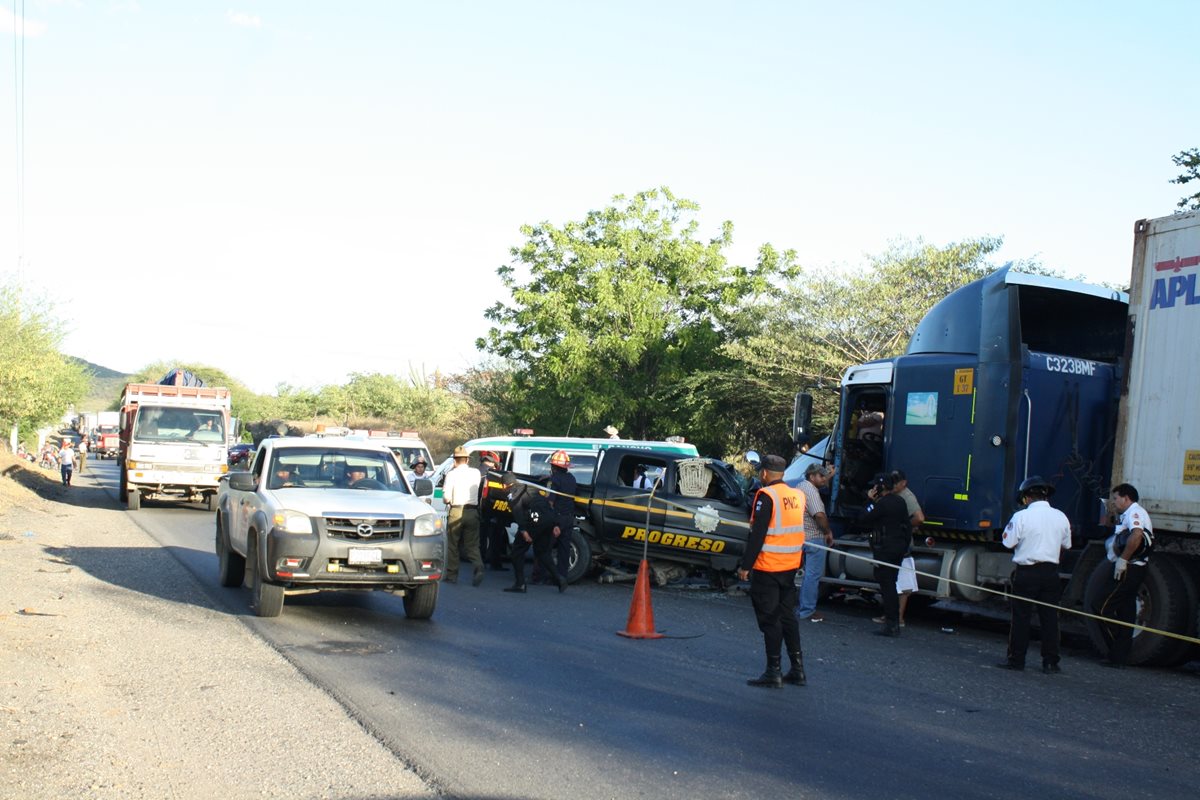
(1009, 376)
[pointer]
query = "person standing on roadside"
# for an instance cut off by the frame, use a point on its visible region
(493, 534)
(66, 462)
(537, 527)
(82, 454)
(562, 487)
(1129, 550)
(460, 491)
(891, 538)
(816, 525)
(1037, 535)
(906, 578)
(774, 552)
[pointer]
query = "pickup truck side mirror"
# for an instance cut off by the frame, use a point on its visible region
(423, 487)
(242, 481)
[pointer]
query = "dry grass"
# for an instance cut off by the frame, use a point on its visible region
(24, 485)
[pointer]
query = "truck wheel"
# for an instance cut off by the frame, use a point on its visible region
(231, 567)
(1162, 604)
(420, 601)
(212, 502)
(580, 559)
(133, 499)
(266, 597)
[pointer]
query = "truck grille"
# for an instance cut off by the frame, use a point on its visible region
(358, 529)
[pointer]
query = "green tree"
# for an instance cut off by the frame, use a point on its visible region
(826, 322)
(609, 313)
(1190, 161)
(37, 383)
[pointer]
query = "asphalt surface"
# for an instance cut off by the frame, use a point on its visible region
(535, 695)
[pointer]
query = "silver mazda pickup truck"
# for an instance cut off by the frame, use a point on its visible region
(328, 514)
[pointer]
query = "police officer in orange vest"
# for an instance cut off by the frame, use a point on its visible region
(773, 554)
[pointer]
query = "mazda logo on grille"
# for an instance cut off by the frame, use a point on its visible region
(365, 531)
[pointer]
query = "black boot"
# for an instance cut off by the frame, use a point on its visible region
(516, 587)
(796, 676)
(772, 678)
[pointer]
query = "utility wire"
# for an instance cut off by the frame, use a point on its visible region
(19, 127)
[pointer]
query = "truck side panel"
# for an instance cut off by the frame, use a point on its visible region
(1158, 438)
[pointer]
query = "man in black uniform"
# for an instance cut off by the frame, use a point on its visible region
(1037, 535)
(493, 530)
(537, 526)
(891, 538)
(562, 499)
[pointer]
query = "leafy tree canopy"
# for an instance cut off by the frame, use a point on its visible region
(37, 383)
(1190, 161)
(609, 312)
(823, 323)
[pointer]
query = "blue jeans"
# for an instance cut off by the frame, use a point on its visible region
(814, 568)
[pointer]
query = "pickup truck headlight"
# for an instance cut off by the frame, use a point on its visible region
(427, 525)
(293, 522)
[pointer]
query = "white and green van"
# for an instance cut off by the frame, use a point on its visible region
(530, 455)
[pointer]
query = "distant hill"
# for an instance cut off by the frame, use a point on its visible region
(107, 385)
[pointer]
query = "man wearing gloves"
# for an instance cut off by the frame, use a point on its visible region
(1129, 550)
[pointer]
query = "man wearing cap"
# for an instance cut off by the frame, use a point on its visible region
(817, 532)
(493, 534)
(774, 551)
(537, 527)
(460, 491)
(1037, 535)
(612, 432)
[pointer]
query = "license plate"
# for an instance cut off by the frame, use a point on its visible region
(364, 555)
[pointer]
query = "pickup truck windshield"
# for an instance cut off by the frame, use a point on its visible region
(333, 468)
(158, 424)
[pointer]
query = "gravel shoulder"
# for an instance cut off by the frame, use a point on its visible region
(119, 680)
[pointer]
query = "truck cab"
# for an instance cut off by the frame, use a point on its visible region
(1009, 376)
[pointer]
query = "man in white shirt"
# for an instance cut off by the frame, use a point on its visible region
(460, 491)
(1129, 551)
(1037, 535)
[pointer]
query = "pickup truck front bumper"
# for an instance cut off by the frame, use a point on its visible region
(377, 552)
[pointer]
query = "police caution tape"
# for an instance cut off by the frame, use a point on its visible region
(685, 541)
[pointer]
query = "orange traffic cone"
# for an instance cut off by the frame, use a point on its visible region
(641, 615)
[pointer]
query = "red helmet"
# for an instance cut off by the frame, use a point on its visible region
(559, 458)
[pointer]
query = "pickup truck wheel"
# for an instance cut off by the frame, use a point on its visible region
(580, 559)
(212, 502)
(1161, 603)
(231, 567)
(420, 601)
(267, 597)
(133, 499)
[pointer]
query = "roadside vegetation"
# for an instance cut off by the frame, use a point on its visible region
(633, 316)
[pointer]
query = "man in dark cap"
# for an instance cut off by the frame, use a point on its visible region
(537, 527)
(493, 531)
(774, 550)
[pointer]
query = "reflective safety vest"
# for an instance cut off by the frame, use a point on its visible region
(783, 548)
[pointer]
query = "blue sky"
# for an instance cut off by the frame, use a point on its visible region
(295, 191)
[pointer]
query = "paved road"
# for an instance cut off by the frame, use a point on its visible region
(535, 696)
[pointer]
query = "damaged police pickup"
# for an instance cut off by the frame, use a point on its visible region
(328, 514)
(698, 516)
